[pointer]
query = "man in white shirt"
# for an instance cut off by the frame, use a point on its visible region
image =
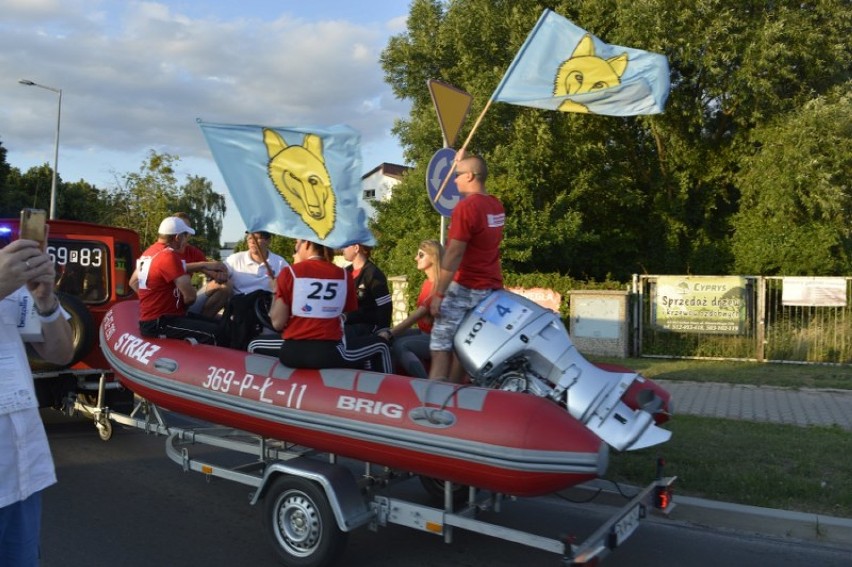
(26, 466)
(248, 270)
(252, 270)
(251, 279)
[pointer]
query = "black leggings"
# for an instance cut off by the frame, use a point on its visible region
(369, 352)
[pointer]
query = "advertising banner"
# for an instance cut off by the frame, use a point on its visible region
(700, 304)
(814, 292)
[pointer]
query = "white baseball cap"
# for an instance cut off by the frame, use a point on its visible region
(174, 225)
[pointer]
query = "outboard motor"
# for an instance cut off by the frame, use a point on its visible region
(510, 342)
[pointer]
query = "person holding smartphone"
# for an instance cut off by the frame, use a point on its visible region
(26, 466)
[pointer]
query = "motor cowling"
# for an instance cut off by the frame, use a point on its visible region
(507, 331)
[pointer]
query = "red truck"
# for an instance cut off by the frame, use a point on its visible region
(93, 266)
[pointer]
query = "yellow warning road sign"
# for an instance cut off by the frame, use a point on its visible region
(452, 105)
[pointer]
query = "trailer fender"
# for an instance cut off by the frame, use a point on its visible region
(339, 484)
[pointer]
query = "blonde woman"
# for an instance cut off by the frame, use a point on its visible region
(411, 346)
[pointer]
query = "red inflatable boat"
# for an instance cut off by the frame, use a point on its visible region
(497, 440)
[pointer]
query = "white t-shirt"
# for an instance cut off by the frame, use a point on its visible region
(248, 276)
(25, 462)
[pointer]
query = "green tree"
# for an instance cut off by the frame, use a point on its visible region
(74, 201)
(82, 201)
(593, 195)
(572, 185)
(142, 199)
(5, 168)
(403, 222)
(206, 208)
(19, 190)
(28, 189)
(796, 190)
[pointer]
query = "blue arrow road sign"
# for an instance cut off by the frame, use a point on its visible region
(439, 167)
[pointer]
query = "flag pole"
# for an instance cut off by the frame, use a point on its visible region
(512, 65)
(466, 142)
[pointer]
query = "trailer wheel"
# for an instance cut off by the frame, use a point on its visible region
(104, 427)
(301, 524)
(435, 488)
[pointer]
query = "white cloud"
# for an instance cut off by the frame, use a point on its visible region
(136, 75)
(142, 76)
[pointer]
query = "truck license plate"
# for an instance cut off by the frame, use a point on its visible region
(625, 527)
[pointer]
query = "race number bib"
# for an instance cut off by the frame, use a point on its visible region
(318, 299)
(143, 264)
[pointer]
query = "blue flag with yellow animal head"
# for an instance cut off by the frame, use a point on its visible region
(299, 182)
(563, 67)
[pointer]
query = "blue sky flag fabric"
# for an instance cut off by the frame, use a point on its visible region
(301, 182)
(563, 67)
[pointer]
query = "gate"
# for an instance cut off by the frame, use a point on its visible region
(814, 328)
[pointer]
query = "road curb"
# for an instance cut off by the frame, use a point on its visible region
(768, 521)
(738, 517)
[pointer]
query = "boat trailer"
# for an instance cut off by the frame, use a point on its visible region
(312, 500)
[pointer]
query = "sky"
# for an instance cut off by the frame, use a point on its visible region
(135, 77)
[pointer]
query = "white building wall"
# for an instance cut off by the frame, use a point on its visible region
(377, 187)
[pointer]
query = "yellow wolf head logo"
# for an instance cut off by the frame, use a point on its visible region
(584, 72)
(300, 175)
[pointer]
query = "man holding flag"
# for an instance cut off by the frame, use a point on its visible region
(470, 270)
(561, 67)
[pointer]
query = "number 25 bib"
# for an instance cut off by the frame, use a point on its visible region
(318, 298)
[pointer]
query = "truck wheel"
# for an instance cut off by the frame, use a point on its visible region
(83, 328)
(301, 524)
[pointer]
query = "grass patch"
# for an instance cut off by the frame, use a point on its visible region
(738, 372)
(806, 469)
(787, 467)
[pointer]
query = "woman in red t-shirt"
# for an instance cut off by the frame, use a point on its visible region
(310, 296)
(411, 346)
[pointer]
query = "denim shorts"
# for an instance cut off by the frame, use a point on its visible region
(457, 302)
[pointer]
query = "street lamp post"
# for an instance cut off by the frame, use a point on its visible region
(56, 145)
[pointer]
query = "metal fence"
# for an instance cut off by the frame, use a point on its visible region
(772, 329)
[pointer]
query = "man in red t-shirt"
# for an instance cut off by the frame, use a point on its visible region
(310, 296)
(470, 269)
(195, 260)
(165, 288)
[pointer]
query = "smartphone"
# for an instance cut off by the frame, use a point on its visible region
(33, 225)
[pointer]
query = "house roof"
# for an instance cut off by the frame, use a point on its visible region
(389, 169)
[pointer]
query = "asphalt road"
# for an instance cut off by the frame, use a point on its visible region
(123, 503)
